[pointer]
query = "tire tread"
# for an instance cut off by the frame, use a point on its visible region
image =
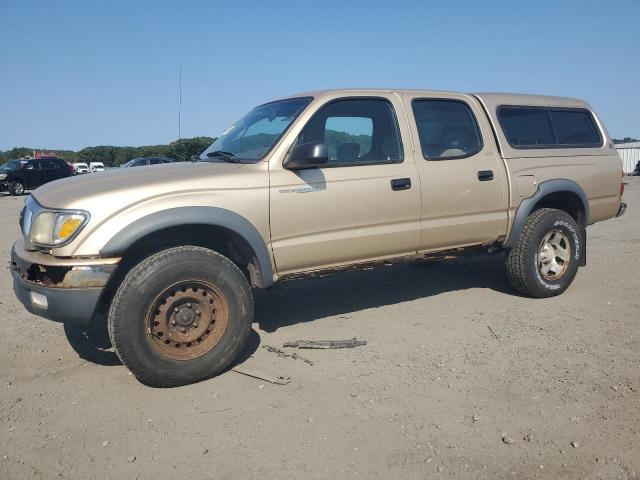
(516, 262)
(124, 347)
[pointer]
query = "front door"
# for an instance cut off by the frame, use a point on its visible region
(363, 205)
(464, 184)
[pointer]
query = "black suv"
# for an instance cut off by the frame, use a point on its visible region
(16, 176)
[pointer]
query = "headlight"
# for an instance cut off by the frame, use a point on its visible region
(56, 227)
(3, 176)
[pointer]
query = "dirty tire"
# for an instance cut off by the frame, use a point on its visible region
(136, 301)
(16, 188)
(524, 270)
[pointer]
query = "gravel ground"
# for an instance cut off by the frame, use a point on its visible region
(461, 378)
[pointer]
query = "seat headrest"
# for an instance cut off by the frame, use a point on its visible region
(348, 152)
(390, 147)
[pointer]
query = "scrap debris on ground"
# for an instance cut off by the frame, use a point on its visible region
(251, 372)
(326, 344)
(283, 354)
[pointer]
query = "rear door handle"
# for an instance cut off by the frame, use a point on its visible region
(401, 184)
(485, 175)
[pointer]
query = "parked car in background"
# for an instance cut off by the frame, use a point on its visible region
(80, 167)
(17, 176)
(141, 162)
(96, 167)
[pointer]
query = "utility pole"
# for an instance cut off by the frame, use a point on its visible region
(180, 105)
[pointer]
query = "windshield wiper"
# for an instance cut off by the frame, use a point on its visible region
(227, 156)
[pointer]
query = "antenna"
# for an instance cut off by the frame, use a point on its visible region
(180, 105)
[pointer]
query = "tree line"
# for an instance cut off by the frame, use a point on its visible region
(181, 150)
(625, 140)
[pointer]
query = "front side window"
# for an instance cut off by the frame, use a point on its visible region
(11, 165)
(356, 132)
(447, 129)
(254, 135)
(542, 127)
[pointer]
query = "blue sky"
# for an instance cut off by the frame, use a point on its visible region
(76, 73)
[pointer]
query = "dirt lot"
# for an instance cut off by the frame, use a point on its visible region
(455, 360)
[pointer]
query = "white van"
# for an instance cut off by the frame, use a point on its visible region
(96, 167)
(80, 167)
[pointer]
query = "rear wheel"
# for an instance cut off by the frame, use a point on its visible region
(16, 188)
(545, 260)
(180, 316)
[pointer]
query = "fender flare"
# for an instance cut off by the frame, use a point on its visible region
(212, 216)
(527, 205)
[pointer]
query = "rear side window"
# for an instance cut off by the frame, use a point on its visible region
(575, 127)
(49, 164)
(447, 129)
(541, 127)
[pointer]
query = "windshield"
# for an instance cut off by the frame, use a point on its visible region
(252, 137)
(10, 165)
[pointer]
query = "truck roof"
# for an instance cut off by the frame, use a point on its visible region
(495, 98)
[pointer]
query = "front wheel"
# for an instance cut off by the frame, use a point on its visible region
(545, 260)
(180, 316)
(16, 188)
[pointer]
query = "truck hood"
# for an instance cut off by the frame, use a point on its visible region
(118, 188)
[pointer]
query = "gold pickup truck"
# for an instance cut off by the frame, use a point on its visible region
(316, 182)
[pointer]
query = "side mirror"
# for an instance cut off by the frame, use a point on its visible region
(307, 155)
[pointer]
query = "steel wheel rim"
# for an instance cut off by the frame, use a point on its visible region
(187, 320)
(554, 255)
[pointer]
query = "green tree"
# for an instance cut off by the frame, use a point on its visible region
(181, 150)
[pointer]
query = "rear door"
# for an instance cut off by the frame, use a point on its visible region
(50, 171)
(464, 184)
(363, 205)
(33, 174)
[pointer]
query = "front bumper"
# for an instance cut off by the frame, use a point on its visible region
(63, 290)
(4, 186)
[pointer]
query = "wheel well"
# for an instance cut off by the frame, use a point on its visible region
(568, 202)
(219, 239)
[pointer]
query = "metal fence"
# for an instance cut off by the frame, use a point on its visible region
(630, 155)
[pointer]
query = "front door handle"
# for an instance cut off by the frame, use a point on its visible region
(485, 175)
(401, 184)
